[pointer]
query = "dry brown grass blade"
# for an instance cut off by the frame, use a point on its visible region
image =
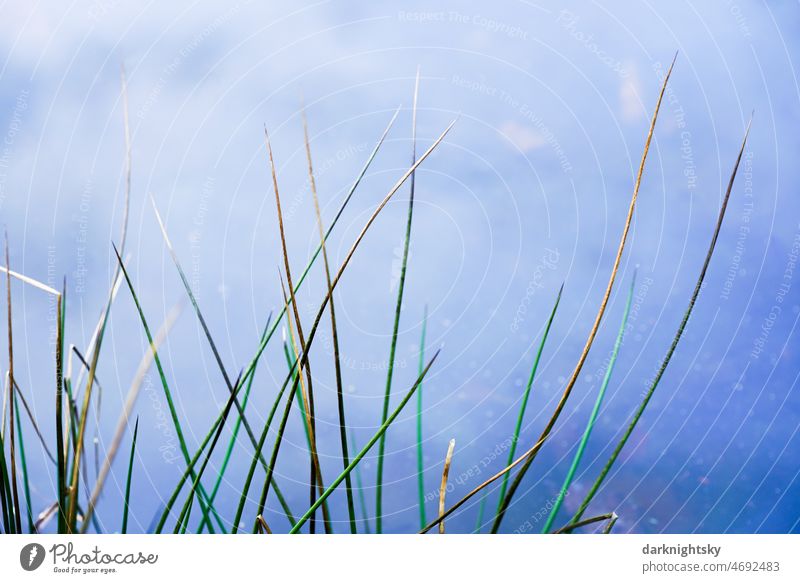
(11, 385)
(593, 332)
(448, 459)
(586, 522)
(483, 485)
(304, 356)
(334, 332)
(122, 424)
(262, 525)
(315, 470)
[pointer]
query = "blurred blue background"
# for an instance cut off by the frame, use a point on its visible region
(529, 190)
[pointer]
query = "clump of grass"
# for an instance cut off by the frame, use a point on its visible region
(74, 398)
(600, 312)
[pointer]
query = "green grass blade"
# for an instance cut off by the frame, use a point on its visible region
(595, 412)
(61, 464)
(381, 430)
(643, 405)
(398, 307)
(420, 460)
(524, 404)
(360, 486)
(481, 511)
(5, 491)
(127, 505)
(26, 488)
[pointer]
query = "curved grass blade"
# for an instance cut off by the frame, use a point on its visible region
(381, 430)
(398, 307)
(524, 404)
(420, 461)
(351, 512)
(640, 409)
(443, 487)
(595, 412)
(127, 506)
(604, 302)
